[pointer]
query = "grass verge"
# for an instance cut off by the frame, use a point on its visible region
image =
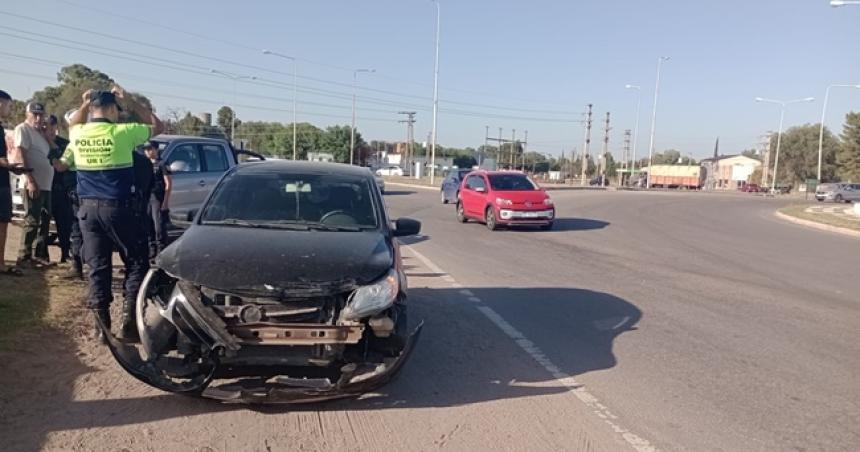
(35, 302)
(799, 211)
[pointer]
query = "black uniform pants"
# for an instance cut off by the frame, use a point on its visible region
(106, 225)
(61, 212)
(157, 223)
(76, 240)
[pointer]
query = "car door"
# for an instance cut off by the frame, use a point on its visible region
(188, 179)
(216, 161)
(473, 195)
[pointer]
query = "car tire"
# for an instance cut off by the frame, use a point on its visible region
(837, 199)
(444, 198)
(490, 219)
(461, 214)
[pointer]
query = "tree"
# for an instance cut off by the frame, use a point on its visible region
(73, 81)
(798, 155)
(848, 156)
(224, 119)
(751, 153)
(464, 161)
(335, 139)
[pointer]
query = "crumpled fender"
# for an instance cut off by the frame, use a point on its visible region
(129, 359)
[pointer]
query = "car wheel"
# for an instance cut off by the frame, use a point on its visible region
(444, 198)
(490, 219)
(837, 198)
(461, 214)
(546, 227)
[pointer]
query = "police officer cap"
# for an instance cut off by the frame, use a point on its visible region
(104, 99)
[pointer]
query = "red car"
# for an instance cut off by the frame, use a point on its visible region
(504, 198)
(751, 188)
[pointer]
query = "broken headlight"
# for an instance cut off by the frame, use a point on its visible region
(372, 299)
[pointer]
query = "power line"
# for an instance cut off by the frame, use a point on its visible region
(246, 66)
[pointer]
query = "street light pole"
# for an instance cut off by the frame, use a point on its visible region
(636, 127)
(821, 129)
(295, 76)
(352, 129)
(435, 98)
(782, 105)
(235, 79)
(660, 61)
(838, 3)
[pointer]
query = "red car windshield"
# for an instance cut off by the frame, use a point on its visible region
(511, 182)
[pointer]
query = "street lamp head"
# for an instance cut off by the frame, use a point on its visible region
(629, 86)
(837, 3)
(665, 58)
(267, 52)
(808, 99)
(759, 99)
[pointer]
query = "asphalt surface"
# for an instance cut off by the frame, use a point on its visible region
(697, 321)
(644, 321)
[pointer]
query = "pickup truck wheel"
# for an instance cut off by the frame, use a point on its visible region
(490, 219)
(461, 214)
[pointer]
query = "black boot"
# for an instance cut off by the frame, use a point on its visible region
(104, 316)
(128, 331)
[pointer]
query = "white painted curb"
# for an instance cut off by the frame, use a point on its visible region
(816, 225)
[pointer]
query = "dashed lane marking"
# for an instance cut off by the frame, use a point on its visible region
(579, 391)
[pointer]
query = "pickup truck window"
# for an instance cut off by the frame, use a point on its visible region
(184, 159)
(214, 158)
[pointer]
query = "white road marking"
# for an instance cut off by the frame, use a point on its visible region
(600, 410)
(621, 323)
(423, 187)
(475, 299)
(467, 293)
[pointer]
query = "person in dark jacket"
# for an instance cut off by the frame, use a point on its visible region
(159, 201)
(61, 205)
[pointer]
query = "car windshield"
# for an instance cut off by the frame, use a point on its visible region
(306, 201)
(511, 182)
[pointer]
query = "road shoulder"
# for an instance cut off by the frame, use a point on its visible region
(795, 214)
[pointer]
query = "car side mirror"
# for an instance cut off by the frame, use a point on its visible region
(480, 189)
(406, 226)
(178, 166)
(183, 216)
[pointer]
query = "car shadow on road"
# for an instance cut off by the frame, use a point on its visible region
(577, 224)
(466, 355)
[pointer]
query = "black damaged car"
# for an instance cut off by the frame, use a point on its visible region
(286, 287)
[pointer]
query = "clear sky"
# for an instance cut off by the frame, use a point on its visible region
(528, 65)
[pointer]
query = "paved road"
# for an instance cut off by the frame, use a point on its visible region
(697, 321)
(645, 321)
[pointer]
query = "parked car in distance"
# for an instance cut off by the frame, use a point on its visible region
(750, 188)
(288, 286)
(839, 192)
(504, 198)
(390, 171)
(450, 188)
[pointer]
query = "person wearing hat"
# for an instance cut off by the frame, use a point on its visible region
(102, 152)
(33, 150)
(6, 167)
(159, 202)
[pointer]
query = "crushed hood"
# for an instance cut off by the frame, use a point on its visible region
(271, 260)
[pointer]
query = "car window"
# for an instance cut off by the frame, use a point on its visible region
(293, 198)
(214, 158)
(511, 182)
(184, 159)
(476, 181)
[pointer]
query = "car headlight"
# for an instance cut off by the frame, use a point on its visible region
(374, 298)
(504, 202)
(548, 201)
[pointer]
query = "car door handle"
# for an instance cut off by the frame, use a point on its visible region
(202, 183)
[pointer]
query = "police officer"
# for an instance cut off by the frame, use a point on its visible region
(102, 152)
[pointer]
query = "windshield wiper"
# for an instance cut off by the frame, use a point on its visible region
(267, 224)
(333, 228)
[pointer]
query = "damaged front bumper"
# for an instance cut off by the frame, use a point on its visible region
(188, 316)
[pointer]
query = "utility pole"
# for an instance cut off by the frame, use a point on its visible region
(486, 146)
(624, 163)
(604, 160)
(499, 150)
(587, 145)
(525, 147)
(410, 138)
(513, 144)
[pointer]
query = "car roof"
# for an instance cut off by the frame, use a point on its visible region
(301, 166)
(171, 138)
(496, 173)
